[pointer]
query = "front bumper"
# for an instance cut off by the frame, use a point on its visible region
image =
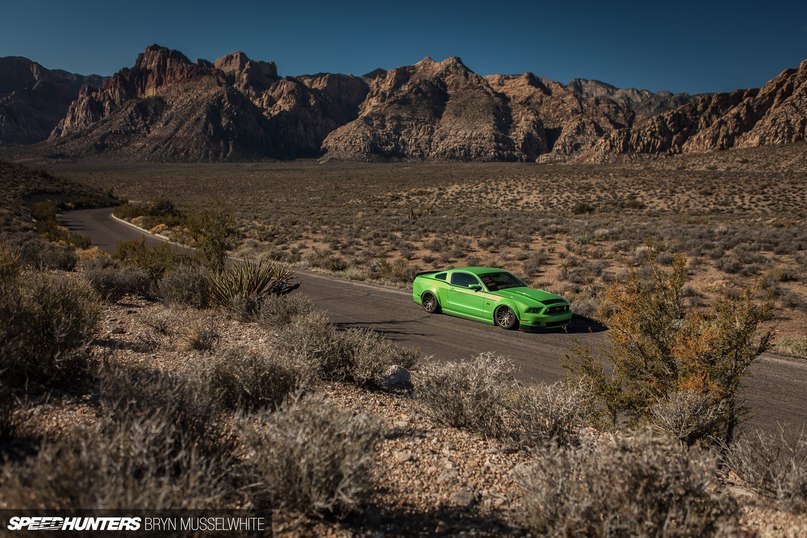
(535, 321)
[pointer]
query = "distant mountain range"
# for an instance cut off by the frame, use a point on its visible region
(168, 108)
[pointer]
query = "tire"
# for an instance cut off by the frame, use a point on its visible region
(505, 318)
(430, 303)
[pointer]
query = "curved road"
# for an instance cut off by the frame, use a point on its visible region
(776, 389)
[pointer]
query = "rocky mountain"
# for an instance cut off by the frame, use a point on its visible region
(168, 108)
(442, 110)
(33, 99)
(775, 114)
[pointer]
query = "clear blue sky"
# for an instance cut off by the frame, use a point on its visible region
(681, 46)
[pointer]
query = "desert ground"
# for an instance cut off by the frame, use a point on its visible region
(739, 216)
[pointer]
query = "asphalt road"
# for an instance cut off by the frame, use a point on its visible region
(776, 390)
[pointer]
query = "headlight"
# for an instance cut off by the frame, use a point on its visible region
(534, 310)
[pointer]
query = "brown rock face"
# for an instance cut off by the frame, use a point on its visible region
(168, 108)
(444, 111)
(776, 114)
(432, 110)
(33, 99)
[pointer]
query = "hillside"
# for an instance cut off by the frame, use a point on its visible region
(33, 99)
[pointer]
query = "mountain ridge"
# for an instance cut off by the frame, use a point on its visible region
(168, 108)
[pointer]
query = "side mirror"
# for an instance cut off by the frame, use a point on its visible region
(475, 287)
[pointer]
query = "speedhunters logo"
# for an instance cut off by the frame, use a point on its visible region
(74, 524)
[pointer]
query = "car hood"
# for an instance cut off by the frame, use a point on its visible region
(526, 295)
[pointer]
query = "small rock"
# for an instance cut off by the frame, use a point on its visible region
(396, 377)
(463, 498)
(402, 456)
(118, 330)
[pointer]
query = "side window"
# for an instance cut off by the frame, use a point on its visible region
(463, 279)
(440, 276)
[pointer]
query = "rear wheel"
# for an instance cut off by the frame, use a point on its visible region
(430, 303)
(505, 318)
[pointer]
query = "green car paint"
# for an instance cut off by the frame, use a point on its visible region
(491, 296)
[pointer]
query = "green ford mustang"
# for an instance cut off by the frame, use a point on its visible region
(490, 296)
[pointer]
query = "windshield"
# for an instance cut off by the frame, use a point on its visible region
(501, 280)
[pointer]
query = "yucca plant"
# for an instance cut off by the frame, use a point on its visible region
(244, 286)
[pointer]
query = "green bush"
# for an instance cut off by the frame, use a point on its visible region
(45, 321)
(187, 284)
(46, 223)
(155, 260)
(314, 457)
(242, 379)
(212, 231)
(640, 486)
(244, 286)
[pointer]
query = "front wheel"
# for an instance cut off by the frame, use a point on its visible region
(505, 318)
(430, 303)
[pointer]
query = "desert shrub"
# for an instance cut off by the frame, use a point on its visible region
(279, 310)
(143, 463)
(658, 347)
(641, 486)
(40, 254)
(243, 286)
(540, 414)
(8, 425)
(240, 378)
(9, 262)
(314, 457)
(186, 284)
(582, 208)
(792, 345)
(212, 231)
(774, 464)
(46, 223)
(112, 280)
(129, 393)
(314, 340)
(686, 416)
(468, 395)
(45, 321)
(370, 355)
(153, 259)
(199, 334)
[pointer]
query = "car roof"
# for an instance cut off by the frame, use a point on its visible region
(479, 270)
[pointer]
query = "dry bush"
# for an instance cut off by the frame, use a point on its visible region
(112, 280)
(542, 414)
(641, 486)
(40, 254)
(240, 378)
(370, 355)
(142, 463)
(9, 262)
(312, 339)
(8, 424)
(186, 284)
(686, 416)
(314, 457)
(129, 393)
(199, 334)
(468, 395)
(774, 464)
(279, 310)
(45, 322)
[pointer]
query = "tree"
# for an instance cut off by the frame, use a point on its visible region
(659, 347)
